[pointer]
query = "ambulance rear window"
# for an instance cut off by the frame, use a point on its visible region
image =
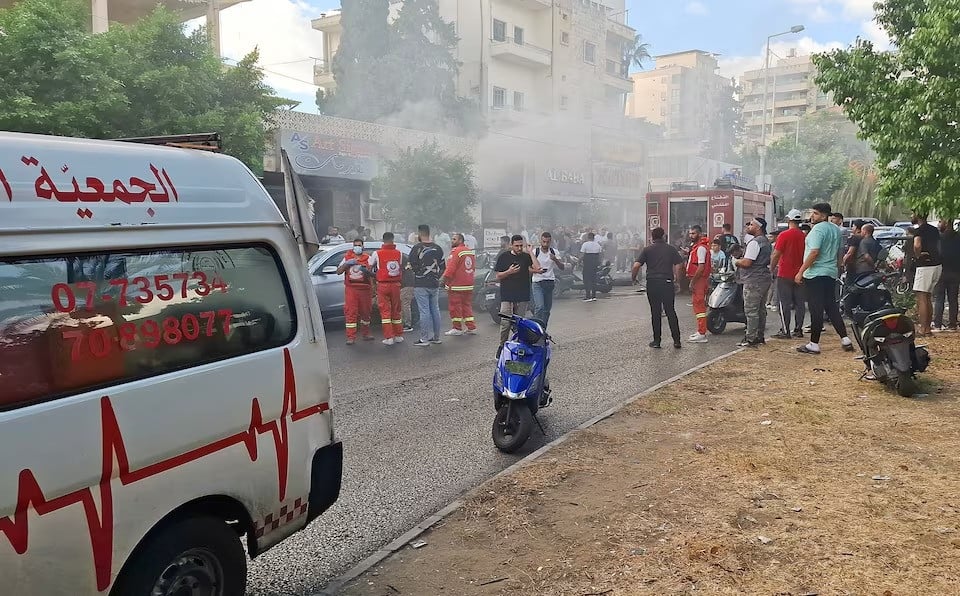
(73, 323)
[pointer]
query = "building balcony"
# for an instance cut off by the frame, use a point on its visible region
(523, 54)
(615, 76)
(532, 4)
(327, 22)
(620, 30)
(323, 75)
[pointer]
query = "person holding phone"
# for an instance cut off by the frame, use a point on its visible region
(546, 261)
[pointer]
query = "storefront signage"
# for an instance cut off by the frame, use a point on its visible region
(491, 237)
(334, 157)
(617, 181)
(565, 176)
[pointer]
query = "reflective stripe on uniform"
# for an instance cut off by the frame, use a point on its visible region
(351, 325)
(468, 319)
(456, 319)
(461, 288)
(397, 321)
(701, 315)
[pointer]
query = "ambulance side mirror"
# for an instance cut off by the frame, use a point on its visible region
(329, 270)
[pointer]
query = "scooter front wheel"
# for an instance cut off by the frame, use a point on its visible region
(716, 322)
(512, 426)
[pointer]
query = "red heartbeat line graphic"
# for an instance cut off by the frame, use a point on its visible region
(84, 213)
(6, 186)
(100, 525)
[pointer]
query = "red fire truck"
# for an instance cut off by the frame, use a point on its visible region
(729, 201)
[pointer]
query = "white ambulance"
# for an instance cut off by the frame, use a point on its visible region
(164, 383)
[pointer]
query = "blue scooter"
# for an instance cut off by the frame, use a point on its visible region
(520, 385)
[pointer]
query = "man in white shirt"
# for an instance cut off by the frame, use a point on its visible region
(591, 251)
(333, 236)
(470, 241)
(545, 262)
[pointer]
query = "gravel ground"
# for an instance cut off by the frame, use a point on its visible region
(416, 424)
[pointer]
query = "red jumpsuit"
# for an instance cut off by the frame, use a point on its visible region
(699, 289)
(458, 277)
(388, 261)
(358, 296)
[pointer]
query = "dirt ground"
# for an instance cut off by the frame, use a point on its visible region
(768, 473)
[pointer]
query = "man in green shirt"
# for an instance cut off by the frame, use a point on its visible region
(819, 274)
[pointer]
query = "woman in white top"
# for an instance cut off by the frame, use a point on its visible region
(545, 262)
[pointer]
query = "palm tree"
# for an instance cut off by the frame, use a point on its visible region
(635, 54)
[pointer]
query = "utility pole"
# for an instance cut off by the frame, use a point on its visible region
(763, 128)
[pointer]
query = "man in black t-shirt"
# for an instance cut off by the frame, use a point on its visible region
(426, 260)
(663, 263)
(513, 270)
(926, 251)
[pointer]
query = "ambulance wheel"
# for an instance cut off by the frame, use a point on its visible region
(716, 322)
(201, 556)
(512, 426)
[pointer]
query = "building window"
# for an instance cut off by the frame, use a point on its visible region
(675, 108)
(564, 102)
(499, 30)
(663, 96)
(499, 98)
(518, 101)
(564, 38)
(518, 35)
(675, 79)
(589, 52)
(674, 94)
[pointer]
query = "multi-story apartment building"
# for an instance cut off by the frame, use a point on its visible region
(104, 12)
(790, 93)
(523, 59)
(682, 93)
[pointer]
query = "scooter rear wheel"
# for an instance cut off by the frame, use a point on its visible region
(906, 385)
(512, 426)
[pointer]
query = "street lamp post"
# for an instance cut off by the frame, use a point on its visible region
(763, 127)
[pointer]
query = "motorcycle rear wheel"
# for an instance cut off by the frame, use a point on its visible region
(512, 426)
(906, 385)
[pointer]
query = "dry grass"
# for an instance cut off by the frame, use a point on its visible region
(688, 491)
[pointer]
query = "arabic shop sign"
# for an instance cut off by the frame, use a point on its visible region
(617, 181)
(335, 157)
(561, 176)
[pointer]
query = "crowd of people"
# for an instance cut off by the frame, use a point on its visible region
(798, 271)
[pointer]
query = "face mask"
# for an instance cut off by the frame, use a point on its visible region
(357, 249)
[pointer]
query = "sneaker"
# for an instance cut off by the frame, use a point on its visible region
(782, 335)
(454, 332)
(471, 331)
(586, 300)
(749, 343)
(436, 341)
(350, 342)
(677, 345)
(939, 329)
(421, 343)
(798, 334)
(398, 339)
(388, 342)
(654, 344)
(592, 300)
(370, 338)
(698, 339)
(407, 329)
(694, 336)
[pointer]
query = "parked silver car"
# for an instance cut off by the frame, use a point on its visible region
(327, 284)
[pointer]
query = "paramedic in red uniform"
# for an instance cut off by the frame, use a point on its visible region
(698, 270)
(357, 290)
(458, 278)
(387, 260)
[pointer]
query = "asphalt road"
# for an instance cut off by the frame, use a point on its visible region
(416, 423)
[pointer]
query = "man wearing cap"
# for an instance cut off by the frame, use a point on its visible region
(785, 264)
(754, 269)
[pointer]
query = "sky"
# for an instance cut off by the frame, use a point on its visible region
(735, 29)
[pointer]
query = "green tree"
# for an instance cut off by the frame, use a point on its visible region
(425, 185)
(726, 128)
(146, 79)
(906, 102)
(406, 69)
(820, 164)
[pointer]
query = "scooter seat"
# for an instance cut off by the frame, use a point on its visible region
(882, 313)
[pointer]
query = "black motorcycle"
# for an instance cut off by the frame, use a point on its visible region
(604, 280)
(884, 333)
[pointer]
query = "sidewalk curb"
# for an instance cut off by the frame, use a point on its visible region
(336, 584)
